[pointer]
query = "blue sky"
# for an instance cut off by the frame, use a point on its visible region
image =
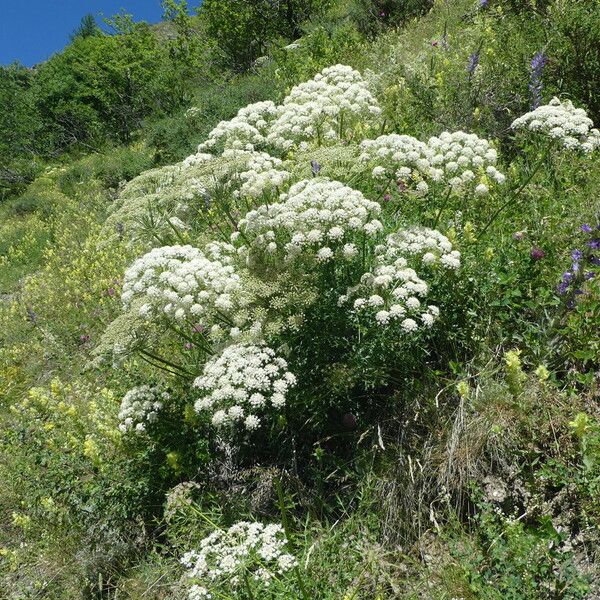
(32, 30)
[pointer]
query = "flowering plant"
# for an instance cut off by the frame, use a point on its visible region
(247, 555)
(242, 381)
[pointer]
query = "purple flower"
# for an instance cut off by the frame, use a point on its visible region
(537, 254)
(586, 228)
(188, 345)
(110, 291)
(589, 275)
(595, 260)
(536, 69)
(577, 255)
(563, 287)
(315, 167)
(198, 328)
(483, 3)
(567, 276)
(594, 244)
(387, 197)
(473, 63)
(84, 338)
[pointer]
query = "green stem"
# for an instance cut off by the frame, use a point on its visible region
(518, 191)
(248, 588)
(442, 208)
(303, 591)
(165, 362)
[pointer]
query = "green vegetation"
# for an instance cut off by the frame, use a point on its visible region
(402, 384)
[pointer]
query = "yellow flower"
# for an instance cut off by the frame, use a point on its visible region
(463, 388)
(542, 373)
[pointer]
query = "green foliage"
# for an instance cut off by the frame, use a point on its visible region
(87, 27)
(464, 463)
(242, 29)
(373, 16)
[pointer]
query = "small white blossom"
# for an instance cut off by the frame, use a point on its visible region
(140, 406)
(570, 126)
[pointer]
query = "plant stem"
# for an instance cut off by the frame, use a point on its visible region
(516, 193)
(442, 208)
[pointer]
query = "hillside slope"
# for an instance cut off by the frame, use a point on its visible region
(346, 348)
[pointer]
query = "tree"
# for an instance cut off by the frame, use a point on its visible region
(87, 27)
(242, 29)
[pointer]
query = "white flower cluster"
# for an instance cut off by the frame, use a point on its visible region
(460, 160)
(563, 122)
(139, 407)
(319, 109)
(230, 557)
(464, 160)
(245, 131)
(316, 215)
(243, 380)
(428, 244)
(263, 173)
(245, 551)
(400, 157)
(182, 283)
(393, 291)
(194, 112)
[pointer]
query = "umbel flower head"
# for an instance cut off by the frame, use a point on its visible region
(319, 109)
(229, 559)
(317, 217)
(140, 406)
(393, 292)
(241, 383)
(460, 160)
(246, 131)
(182, 283)
(561, 121)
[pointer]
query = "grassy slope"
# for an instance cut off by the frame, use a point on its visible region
(420, 559)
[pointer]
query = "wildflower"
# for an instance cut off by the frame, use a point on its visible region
(140, 406)
(537, 254)
(451, 159)
(463, 388)
(393, 286)
(228, 558)
(182, 282)
(312, 211)
(542, 373)
(241, 380)
(316, 109)
(538, 62)
(473, 63)
(562, 121)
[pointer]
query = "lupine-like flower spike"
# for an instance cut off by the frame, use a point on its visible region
(561, 121)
